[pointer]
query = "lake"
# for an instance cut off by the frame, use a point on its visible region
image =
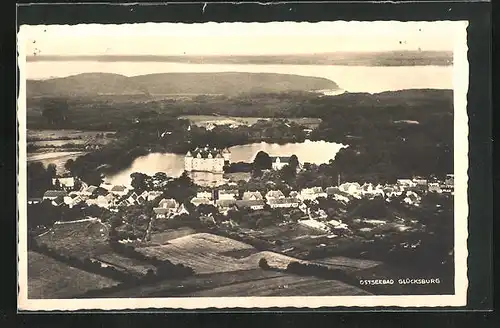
(316, 152)
(370, 79)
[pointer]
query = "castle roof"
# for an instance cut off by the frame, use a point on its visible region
(205, 152)
(282, 159)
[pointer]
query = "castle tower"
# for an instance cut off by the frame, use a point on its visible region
(188, 162)
(227, 156)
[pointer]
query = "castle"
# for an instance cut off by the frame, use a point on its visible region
(207, 160)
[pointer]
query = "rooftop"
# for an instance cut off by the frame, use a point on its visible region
(54, 193)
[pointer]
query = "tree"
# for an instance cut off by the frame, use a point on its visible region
(294, 162)
(55, 110)
(139, 181)
(263, 264)
(69, 165)
(262, 161)
(287, 173)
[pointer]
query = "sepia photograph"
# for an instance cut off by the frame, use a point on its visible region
(242, 165)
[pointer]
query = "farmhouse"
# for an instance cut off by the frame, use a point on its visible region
(274, 194)
(254, 204)
(252, 195)
(53, 194)
(207, 160)
(279, 162)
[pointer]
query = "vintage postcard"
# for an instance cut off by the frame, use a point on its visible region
(242, 165)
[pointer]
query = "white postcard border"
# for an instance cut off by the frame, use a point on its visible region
(460, 80)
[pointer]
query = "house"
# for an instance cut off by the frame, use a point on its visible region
(161, 212)
(420, 182)
(406, 183)
(279, 162)
(336, 194)
(449, 181)
(58, 201)
(53, 194)
(106, 185)
(89, 191)
(72, 200)
(152, 195)
(314, 224)
(319, 214)
(434, 187)
(252, 195)
(312, 193)
(227, 194)
(180, 210)
(67, 183)
(132, 198)
(225, 204)
(351, 188)
(254, 204)
(337, 224)
(274, 194)
(124, 203)
(119, 190)
(197, 201)
(204, 194)
(32, 201)
(169, 203)
(286, 202)
(412, 198)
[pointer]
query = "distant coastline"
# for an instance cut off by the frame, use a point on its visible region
(388, 58)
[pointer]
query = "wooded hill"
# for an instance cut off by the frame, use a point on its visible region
(226, 83)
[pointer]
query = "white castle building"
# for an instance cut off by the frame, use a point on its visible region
(207, 160)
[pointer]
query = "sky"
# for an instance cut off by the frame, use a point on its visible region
(236, 38)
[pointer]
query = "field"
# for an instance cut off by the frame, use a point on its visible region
(283, 285)
(253, 282)
(48, 278)
(88, 239)
(47, 135)
(204, 120)
(202, 252)
(160, 238)
(81, 239)
(208, 253)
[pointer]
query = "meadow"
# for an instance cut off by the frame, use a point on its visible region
(89, 239)
(48, 278)
(204, 120)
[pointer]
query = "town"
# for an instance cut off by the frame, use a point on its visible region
(305, 225)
